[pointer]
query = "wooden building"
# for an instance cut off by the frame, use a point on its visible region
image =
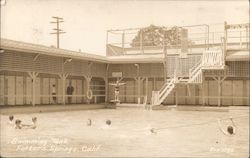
(207, 74)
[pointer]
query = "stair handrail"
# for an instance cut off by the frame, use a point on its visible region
(195, 68)
(170, 84)
(165, 84)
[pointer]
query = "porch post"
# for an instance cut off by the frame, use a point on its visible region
(106, 84)
(176, 97)
(88, 79)
(146, 90)
(203, 90)
(219, 91)
(220, 81)
(33, 76)
(63, 77)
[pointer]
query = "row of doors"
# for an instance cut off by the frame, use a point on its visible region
(17, 90)
(233, 92)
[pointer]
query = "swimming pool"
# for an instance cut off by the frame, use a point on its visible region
(66, 134)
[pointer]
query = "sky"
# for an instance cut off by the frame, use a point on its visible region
(86, 21)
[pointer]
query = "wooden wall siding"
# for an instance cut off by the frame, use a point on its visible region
(130, 70)
(45, 91)
(1, 89)
(151, 70)
(11, 90)
(17, 88)
(150, 89)
(227, 92)
(11, 60)
(24, 62)
(38, 91)
(18, 61)
(182, 92)
(28, 87)
(235, 69)
(97, 86)
(80, 68)
(76, 67)
(49, 64)
(170, 99)
(98, 70)
(246, 92)
(239, 68)
(157, 69)
(237, 92)
(212, 92)
(79, 91)
(193, 91)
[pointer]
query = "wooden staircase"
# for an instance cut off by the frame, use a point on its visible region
(159, 96)
(212, 60)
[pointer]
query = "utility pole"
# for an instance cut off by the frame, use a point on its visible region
(58, 31)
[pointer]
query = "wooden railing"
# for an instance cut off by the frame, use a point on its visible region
(212, 59)
(195, 73)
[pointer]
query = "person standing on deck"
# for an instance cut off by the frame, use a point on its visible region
(117, 91)
(70, 91)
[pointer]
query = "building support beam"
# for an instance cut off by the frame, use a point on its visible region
(164, 71)
(203, 90)
(220, 81)
(188, 89)
(154, 84)
(33, 76)
(139, 80)
(88, 80)
(106, 83)
(146, 89)
(176, 97)
(63, 77)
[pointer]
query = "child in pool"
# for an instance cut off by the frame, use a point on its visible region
(19, 124)
(108, 122)
(11, 120)
(107, 125)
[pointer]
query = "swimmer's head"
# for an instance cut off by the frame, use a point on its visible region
(108, 122)
(11, 117)
(152, 130)
(34, 119)
(230, 130)
(18, 124)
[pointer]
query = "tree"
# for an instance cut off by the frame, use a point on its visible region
(157, 36)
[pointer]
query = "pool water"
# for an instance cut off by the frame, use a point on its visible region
(66, 134)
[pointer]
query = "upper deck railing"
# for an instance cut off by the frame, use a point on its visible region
(200, 38)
